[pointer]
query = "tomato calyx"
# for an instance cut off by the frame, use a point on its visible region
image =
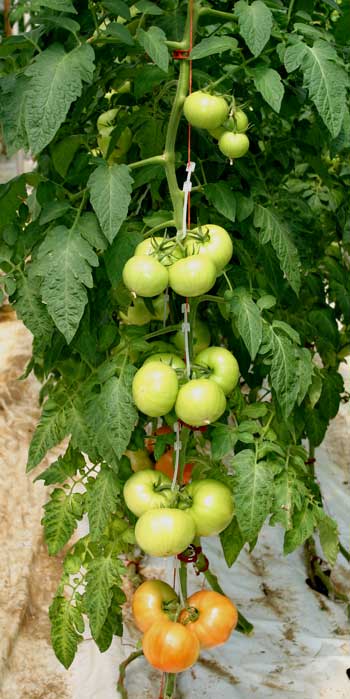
(201, 564)
(188, 615)
(189, 555)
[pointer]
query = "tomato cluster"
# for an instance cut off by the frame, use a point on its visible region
(170, 518)
(226, 125)
(174, 636)
(190, 269)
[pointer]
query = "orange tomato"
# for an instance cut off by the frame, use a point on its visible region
(210, 616)
(149, 603)
(165, 464)
(170, 646)
(150, 441)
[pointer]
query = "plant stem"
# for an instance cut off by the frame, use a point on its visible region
(243, 626)
(169, 685)
(344, 552)
(159, 228)
(153, 160)
(290, 10)
(183, 581)
(163, 331)
(316, 573)
(216, 13)
(122, 672)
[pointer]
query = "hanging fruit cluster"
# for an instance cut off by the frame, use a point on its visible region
(174, 634)
(227, 125)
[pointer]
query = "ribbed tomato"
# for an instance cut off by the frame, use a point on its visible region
(150, 602)
(210, 616)
(170, 646)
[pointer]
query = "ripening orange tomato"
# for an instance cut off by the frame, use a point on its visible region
(150, 441)
(150, 602)
(165, 464)
(210, 616)
(170, 646)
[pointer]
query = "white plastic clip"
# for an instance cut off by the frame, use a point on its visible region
(177, 449)
(190, 168)
(185, 308)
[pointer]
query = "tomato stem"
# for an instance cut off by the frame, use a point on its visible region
(183, 581)
(169, 685)
(122, 672)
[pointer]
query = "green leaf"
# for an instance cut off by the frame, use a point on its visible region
(119, 252)
(11, 195)
(332, 388)
(60, 520)
(316, 426)
(232, 542)
(221, 196)
(248, 319)
(53, 210)
(12, 112)
(153, 41)
(283, 503)
(102, 575)
(113, 626)
(254, 410)
(56, 81)
(255, 24)
(52, 428)
(110, 196)
(213, 45)
(31, 310)
(329, 537)
(59, 21)
(65, 261)
(63, 469)
(284, 371)
(275, 231)
(253, 491)
(120, 32)
(102, 501)
(146, 79)
(58, 5)
(303, 527)
(223, 440)
(111, 416)
(268, 82)
(305, 372)
(64, 151)
(117, 8)
(148, 8)
(66, 620)
(245, 206)
(89, 228)
(324, 78)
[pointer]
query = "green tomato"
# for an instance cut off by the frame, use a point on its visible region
(168, 358)
(216, 133)
(165, 250)
(223, 365)
(211, 507)
(205, 111)
(164, 532)
(139, 459)
(201, 337)
(233, 145)
(145, 276)
(216, 243)
(241, 120)
(200, 402)
(147, 490)
(137, 314)
(155, 388)
(192, 276)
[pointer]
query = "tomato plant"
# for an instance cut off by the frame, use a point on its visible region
(151, 602)
(170, 646)
(278, 300)
(210, 616)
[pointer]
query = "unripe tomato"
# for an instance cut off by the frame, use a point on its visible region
(233, 145)
(211, 507)
(223, 364)
(200, 402)
(149, 603)
(192, 276)
(168, 358)
(241, 120)
(165, 250)
(137, 314)
(145, 276)
(139, 459)
(148, 490)
(155, 388)
(201, 337)
(165, 464)
(164, 532)
(170, 646)
(216, 618)
(150, 441)
(205, 111)
(216, 133)
(216, 243)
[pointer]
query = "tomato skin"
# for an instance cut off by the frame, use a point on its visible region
(145, 276)
(233, 145)
(165, 464)
(139, 459)
(201, 337)
(212, 506)
(217, 618)
(154, 388)
(164, 532)
(192, 276)
(223, 364)
(141, 491)
(217, 133)
(150, 441)
(219, 246)
(138, 313)
(170, 646)
(205, 111)
(241, 120)
(148, 601)
(168, 358)
(200, 402)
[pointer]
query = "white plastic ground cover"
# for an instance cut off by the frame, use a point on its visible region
(300, 648)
